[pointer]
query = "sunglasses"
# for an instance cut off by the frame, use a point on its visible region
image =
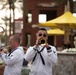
(44, 35)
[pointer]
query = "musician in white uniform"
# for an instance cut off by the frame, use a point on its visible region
(42, 55)
(13, 60)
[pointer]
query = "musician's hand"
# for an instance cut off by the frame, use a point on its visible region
(37, 42)
(47, 45)
(5, 50)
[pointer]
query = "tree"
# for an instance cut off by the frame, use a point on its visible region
(12, 5)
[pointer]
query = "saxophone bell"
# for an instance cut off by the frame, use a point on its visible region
(42, 41)
(7, 49)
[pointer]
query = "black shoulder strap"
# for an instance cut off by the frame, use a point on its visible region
(40, 55)
(11, 52)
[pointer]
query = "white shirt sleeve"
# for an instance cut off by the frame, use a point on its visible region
(52, 56)
(13, 58)
(29, 54)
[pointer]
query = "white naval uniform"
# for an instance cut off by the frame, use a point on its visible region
(13, 63)
(37, 67)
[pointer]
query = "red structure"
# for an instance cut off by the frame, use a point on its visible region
(36, 7)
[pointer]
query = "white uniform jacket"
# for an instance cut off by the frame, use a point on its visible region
(37, 66)
(13, 62)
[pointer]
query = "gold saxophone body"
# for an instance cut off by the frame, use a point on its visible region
(6, 49)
